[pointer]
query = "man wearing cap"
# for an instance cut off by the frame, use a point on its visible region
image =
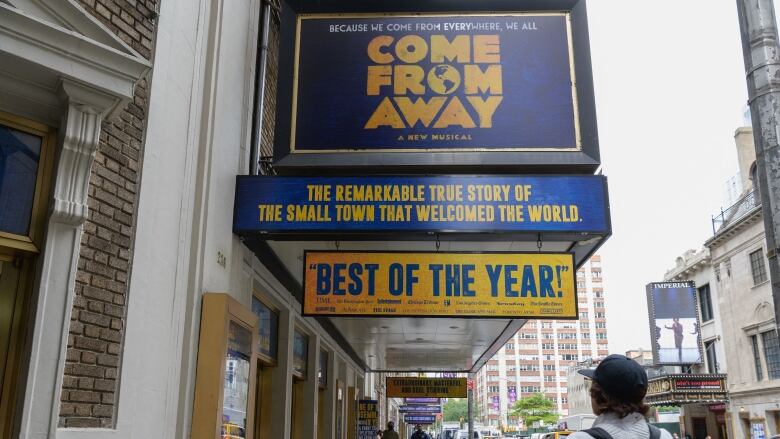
(617, 392)
(419, 433)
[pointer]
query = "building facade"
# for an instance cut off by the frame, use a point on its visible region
(738, 257)
(129, 307)
(538, 357)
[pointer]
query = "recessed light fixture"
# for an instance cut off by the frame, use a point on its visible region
(453, 327)
(385, 327)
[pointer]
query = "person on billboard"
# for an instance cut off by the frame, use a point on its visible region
(677, 327)
(617, 392)
(390, 433)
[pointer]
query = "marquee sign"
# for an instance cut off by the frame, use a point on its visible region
(686, 388)
(438, 284)
(420, 419)
(408, 387)
(501, 81)
(421, 204)
(419, 409)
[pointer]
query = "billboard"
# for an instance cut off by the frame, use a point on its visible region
(439, 284)
(410, 387)
(421, 204)
(443, 82)
(674, 323)
(367, 418)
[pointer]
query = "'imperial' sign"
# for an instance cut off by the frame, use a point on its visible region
(421, 204)
(453, 82)
(431, 284)
(401, 387)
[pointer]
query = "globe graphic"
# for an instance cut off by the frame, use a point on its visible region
(443, 79)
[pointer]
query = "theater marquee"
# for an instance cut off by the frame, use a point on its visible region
(434, 82)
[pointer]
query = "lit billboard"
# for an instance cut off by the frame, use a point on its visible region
(502, 81)
(439, 284)
(674, 323)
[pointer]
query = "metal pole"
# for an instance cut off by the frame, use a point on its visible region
(762, 67)
(262, 67)
(470, 402)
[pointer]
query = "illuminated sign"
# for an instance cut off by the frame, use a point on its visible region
(401, 387)
(431, 284)
(421, 204)
(419, 409)
(422, 400)
(674, 321)
(434, 82)
(677, 389)
(419, 419)
(698, 384)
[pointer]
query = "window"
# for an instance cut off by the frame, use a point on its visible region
(598, 294)
(600, 315)
(584, 315)
(772, 354)
(548, 346)
(550, 378)
(598, 304)
(549, 367)
(705, 303)
(585, 335)
(712, 361)
(601, 336)
(510, 346)
(20, 154)
(601, 325)
(757, 357)
(569, 357)
(584, 325)
(757, 267)
(493, 389)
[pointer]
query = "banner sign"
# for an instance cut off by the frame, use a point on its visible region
(512, 394)
(407, 387)
(420, 419)
(434, 82)
(676, 389)
(699, 384)
(367, 419)
(495, 402)
(674, 319)
(419, 409)
(491, 204)
(422, 400)
(436, 284)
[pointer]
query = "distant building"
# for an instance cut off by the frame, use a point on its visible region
(745, 309)
(537, 358)
(641, 356)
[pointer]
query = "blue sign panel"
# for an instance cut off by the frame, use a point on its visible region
(424, 82)
(421, 204)
(419, 419)
(419, 409)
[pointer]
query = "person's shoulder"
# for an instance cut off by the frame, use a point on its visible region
(665, 434)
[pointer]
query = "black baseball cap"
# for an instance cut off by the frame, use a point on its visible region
(620, 377)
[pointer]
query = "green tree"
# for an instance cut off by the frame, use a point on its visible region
(454, 409)
(535, 408)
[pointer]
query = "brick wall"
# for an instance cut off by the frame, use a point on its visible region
(90, 382)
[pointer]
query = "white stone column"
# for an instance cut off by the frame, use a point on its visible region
(78, 143)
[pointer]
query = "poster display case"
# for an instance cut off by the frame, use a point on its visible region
(225, 384)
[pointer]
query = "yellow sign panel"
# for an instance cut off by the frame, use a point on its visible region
(409, 387)
(440, 284)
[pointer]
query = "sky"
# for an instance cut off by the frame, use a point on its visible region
(670, 92)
